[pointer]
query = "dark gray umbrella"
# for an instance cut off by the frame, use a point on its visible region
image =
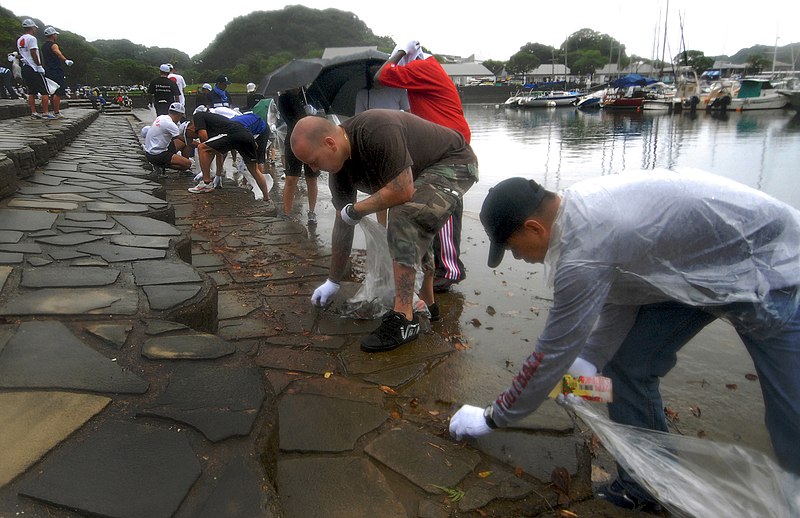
(294, 74)
(337, 83)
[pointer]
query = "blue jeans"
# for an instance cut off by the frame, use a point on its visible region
(650, 351)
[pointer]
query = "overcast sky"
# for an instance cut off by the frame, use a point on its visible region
(490, 31)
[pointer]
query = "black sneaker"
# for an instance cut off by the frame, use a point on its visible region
(615, 493)
(394, 331)
(433, 309)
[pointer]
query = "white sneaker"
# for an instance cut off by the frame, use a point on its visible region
(202, 187)
(198, 177)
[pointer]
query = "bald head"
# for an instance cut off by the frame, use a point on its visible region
(320, 143)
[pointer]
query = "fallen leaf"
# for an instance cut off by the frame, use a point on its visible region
(388, 390)
(671, 415)
(475, 322)
(490, 311)
(484, 474)
(731, 386)
(695, 410)
(328, 375)
(751, 377)
(518, 472)
(290, 272)
(570, 514)
(434, 413)
(396, 415)
(561, 479)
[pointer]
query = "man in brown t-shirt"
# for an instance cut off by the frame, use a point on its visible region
(417, 169)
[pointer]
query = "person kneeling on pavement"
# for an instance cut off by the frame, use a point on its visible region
(417, 170)
(248, 134)
(164, 139)
(639, 265)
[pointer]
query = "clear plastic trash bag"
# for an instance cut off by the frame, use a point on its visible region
(697, 477)
(376, 294)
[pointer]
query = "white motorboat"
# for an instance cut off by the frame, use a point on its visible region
(551, 98)
(748, 94)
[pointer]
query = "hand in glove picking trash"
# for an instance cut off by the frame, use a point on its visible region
(324, 293)
(411, 47)
(581, 367)
(469, 421)
(69, 62)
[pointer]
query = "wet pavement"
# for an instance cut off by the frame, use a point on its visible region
(159, 357)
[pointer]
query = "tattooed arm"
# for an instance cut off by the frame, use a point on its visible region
(398, 191)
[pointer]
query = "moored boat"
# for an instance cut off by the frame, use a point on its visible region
(792, 95)
(551, 98)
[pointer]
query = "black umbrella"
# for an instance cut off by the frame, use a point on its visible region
(294, 74)
(340, 79)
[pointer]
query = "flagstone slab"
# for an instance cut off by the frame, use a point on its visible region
(71, 239)
(338, 423)
(9, 236)
(194, 346)
(239, 491)
(47, 355)
(23, 248)
(105, 206)
(141, 241)
(341, 487)
(26, 220)
(116, 253)
(11, 258)
(536, 454)
(423, 458)
(85, 216)
(141, 225)
(72, 301)
(123, 470)
(36, 190)
(220, 401)
(42, 204)
(169, 296)
(139, 197)
(65, 276)
(113, 334)
(87, 224)
(35, 422)
(66, 197)
(5, 271)
(501, 484)
(147, 273)
(316, 362)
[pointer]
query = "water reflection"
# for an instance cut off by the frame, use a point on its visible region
(559, 146)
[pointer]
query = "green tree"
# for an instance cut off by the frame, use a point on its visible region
(756, 63)
(695, 59)
(494, 66)
(587, 40)
(585, 62)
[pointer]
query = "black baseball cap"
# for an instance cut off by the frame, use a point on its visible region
(506, 207)
(223, 79)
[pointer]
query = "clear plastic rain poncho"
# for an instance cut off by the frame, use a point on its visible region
(622, 241)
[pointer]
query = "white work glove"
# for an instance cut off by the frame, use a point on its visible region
(69, 62)
(411, 47)
(324, 293)
(310, 110)
(40, 69)
(397, 48)
(581, 367)
(349, 215)
(468, 422)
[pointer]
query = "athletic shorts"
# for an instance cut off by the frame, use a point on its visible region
(34, 81)
(413, 225)
(239, 140)
(58, 77)
(292, 166)
(163, 159)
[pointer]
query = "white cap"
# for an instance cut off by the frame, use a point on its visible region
(164, 68)
(251, 87)
(170, 66)
(200, 109)
(49, 31)
(27, 22)
(176, 107)
(207, 86)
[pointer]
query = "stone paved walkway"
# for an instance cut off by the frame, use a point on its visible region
(159, 357)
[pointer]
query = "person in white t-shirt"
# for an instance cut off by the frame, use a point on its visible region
(163, 141)
(33, 70)
(180, 81)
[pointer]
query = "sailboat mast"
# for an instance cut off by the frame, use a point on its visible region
(664, 45)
